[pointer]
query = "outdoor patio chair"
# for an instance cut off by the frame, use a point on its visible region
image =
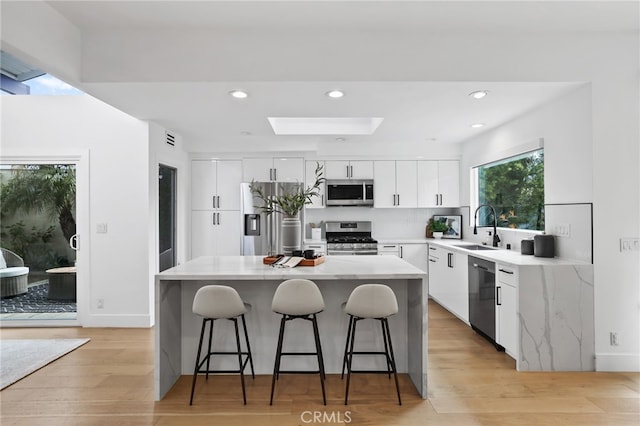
(13, 274)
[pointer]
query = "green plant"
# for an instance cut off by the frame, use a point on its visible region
(17, 239)
(439, 226)
(44, 189)
(290, 203)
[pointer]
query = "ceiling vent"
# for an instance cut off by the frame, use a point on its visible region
(170, 139)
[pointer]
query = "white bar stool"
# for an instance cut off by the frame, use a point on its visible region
(370, 301)
(298, 299)
(214, 302)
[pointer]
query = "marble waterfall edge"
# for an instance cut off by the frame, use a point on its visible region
(556, 314)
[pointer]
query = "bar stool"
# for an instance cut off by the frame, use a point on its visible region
(214, 302)
(370, 301)
(298, 299)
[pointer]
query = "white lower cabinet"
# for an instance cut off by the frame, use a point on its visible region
(320, 248)
(215, 233)
(507, 308)
(449, 281)
(414, 253)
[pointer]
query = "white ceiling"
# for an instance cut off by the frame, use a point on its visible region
(415, 112)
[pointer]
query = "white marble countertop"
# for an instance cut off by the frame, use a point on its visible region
(404, 241)
(512, 257)
(238, 268)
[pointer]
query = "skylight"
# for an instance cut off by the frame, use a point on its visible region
(324, 125)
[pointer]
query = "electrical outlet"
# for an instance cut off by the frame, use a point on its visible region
(613, 339)
(100, 303)
(629, 244)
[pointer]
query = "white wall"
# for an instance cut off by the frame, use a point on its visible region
(116, 150)
(174, 156)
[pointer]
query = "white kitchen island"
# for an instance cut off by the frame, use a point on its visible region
(177, 328)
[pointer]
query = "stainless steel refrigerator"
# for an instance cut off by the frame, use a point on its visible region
(261, 234)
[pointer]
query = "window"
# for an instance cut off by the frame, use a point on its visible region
(515, 188)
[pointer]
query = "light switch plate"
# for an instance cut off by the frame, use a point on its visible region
(101, 228)
(629, 244)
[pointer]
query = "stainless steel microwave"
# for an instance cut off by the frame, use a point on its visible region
(349, 192)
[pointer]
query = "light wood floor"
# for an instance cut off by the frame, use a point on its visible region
(109, 381)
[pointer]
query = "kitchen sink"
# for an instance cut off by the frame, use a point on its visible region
(475, 247)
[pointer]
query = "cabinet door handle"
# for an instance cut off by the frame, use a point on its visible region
(498, 296)
(213, 218)
(437, 199)
(432, 260)
(347, 170)
(275, 174)
(398, 198)
(218, 200)
(450, 260)
(505, 271)
(213, 201)
(441, 202)
(432, 248)
(218, 218)
(401, 252)
(394, 199)
(351, 171)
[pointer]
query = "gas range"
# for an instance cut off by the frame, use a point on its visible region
(350, 238)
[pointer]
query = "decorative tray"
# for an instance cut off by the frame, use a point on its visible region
(268, 260)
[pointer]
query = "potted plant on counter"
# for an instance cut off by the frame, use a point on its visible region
(289, 204)
(439, 228)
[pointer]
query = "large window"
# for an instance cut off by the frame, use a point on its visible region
(515, 188)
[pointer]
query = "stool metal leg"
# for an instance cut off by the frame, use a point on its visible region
(393, 360)
(276, 365)
(346, 347)
(316, 335)
(211, 321)
(195, 370)
(240, 366)
(246, 338)
(350, 358)
(386, 348)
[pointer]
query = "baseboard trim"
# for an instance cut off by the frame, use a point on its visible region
(618, 362)
(119, 321)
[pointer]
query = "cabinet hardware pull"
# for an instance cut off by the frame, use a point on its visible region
(398, 198)
(441, 199)
(213, 218)
(401, 254)
(351, 170)
(450, 260)
(475, 265)
(218, 200)
(506, 272)
(432, 248)
(213, 201)
(218, 218)
(431, 260)
(498, 294)
(348, 171)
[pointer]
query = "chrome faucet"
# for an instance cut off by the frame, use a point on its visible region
(496, 238)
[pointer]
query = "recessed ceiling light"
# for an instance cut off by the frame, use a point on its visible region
(335, 94)
(245, 133)
(238, 94)
(478, 94)
(340, 139)
(477, 125)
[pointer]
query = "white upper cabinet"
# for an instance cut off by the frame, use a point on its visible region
(215, 184)
(345, 169)
(273, 169)
(438, 183)
(395, 184)
(310, 179)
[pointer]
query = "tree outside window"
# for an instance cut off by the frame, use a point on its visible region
(515, 188)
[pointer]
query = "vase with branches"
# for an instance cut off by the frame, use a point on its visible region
(288, 202)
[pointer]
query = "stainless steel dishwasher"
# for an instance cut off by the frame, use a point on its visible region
(482, 298)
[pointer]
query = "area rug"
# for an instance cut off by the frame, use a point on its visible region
(19, 358)
(36, 301)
